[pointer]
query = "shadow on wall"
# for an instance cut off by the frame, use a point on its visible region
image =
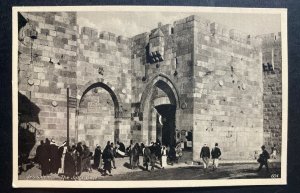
(27, 114)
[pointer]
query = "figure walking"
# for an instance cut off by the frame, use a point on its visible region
(205, 155)
(163, 157)
(107, 157)
(113, 152)
(97, 157)
(263, 158)
(215, 155)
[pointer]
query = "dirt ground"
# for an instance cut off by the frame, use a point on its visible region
(180, 171)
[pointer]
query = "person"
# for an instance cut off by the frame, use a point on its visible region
(274, 152)
(163, 157)
(178, 151)
(54, 160)
(62, 150)
(112, 148)
(149, 157)
(37, 157)
(135, 156)
(263, 159)
(171, 154)
(158, 152)
(215, 155)
(205, 155)
(120, 151)
(129, 152)
(79, 155)
(107, 157)
(70, 162)
(86, 160)
(142, 148)
(97, 157)
(45, 158)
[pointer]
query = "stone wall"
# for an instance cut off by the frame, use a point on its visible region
(162, 63)
(104, 58)
(228, 91)
(46, 66)
(213, 75)
(272, 96)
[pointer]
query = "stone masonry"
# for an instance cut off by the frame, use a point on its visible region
(224, 84)
(272, 98)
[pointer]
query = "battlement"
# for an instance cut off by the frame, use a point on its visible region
(94, 34)
(270, 40)
(215, 29)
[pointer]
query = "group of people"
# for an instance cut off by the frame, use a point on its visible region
(63, 160)
(71, 161)
(215, 154)
(152, 155)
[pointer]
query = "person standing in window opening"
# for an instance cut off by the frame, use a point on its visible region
(263, 159)
(205, 155)
(215, 155)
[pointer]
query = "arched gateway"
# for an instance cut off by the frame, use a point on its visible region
(158, 105)
(98, 110)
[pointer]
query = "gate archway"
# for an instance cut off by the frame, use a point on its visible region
(97, 113)
(158, 105)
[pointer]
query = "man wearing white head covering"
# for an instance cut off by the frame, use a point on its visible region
(54, 159)
(62, 150)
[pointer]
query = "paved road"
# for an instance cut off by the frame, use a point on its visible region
(177, 172)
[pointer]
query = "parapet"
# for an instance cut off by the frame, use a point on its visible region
(270, 40)
(105, 35)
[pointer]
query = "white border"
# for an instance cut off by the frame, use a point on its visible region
(150, 184)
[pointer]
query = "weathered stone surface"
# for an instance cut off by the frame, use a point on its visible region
(212, 74)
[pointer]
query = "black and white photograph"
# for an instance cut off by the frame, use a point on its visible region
(137, 96)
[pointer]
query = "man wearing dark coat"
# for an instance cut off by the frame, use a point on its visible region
(45, 158)
(97, 157)
(79, 155)
(70, 163)
(54, 160)
(215, 155)
(129, 152)
(263, 158)
(107, 157)
(135, 156)
(38, 153)
(205, 155)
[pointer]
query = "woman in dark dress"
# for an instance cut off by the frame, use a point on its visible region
(97, 157)
(135, 156)
(70, 163)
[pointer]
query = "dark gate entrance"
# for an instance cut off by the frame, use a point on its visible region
(165, 128)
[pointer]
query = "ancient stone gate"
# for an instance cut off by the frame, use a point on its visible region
(193, 81)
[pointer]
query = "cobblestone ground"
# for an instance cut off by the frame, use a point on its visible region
(180, 171)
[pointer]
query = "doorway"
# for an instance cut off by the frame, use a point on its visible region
(165, 127)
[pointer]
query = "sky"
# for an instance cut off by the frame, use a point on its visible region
(133, 23)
